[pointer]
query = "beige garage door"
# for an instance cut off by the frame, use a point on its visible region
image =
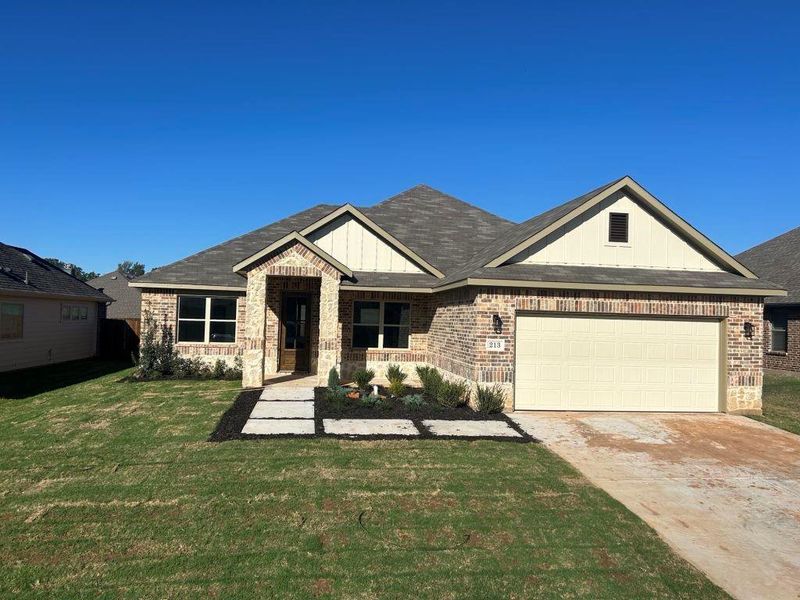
(616, 363)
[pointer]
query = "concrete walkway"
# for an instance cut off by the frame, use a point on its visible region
(723, 491)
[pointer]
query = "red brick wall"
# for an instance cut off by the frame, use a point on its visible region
(462, 322)
(417, 352)
(163, 305)
(789, 360)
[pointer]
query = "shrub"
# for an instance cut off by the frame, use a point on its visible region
(337, 396)
(334, 381)
(235, 372)
(397, 389)
(363, 377)
(395, 373)
(219, 370)
(431, 379)
(372, 401)
(490, 399)
(451, 394)
(414, 401)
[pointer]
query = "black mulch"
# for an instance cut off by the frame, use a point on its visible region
(233, 420)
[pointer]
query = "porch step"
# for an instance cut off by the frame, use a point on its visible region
(285, 392)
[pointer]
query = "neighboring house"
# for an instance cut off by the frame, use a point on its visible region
(119, 331)
(608, 302)
(779, 260)
(127, 300)
(46, 315)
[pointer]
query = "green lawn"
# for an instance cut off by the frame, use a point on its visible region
(109, 489)
(781, 401)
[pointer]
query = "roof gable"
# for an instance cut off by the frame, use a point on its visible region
(539, 227)
(379, 231)
(584, 240)
(289, 239)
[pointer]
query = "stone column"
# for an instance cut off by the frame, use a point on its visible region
(330, 336)
(253, 358)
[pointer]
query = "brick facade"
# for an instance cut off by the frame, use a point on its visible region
(264, 281)
(449, 330)
(163, 305)
(379, 359)
(463, 321)
(789, 360)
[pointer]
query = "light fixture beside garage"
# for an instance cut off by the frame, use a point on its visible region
(497, 324)
(748, 330)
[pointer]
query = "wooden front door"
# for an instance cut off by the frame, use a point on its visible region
(295, 349)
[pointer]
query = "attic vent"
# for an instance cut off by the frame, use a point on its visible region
(618, 228)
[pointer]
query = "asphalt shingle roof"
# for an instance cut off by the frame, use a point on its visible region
(127, 300)
(215, 265)
(455, 237)
(23, 271)
(778, 260)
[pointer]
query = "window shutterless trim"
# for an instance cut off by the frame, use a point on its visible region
(380, 325)
(21, 334)
(206, 320)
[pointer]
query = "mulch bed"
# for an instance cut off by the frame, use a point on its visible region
(233, 420)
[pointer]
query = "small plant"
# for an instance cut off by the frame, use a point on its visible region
(490, 399)
(451, 394)
(334, 381)
(336, 396)
(372, 401)
(431, 380)
(413, 401)
(396, 377)
(363, 377)
(219, 370)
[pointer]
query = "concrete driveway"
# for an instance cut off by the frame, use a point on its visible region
(723, 491)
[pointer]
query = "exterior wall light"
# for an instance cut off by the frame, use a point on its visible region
(497, 324)
(748, 330)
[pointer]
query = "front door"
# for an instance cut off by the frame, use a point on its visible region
(295, 335)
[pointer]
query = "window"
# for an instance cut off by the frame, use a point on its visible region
(381, 324)
(206, 319)
(779, 341)
(74, 312)
(11, 318)
(618, 228)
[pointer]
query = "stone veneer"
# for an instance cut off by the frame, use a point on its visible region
(261, 331)
(789, 360)
(449, 330)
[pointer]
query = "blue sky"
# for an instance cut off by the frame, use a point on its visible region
(152, 130)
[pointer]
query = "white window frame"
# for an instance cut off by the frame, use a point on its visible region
(207, 320)
(22, 330)
(81, 311)
(380, 325)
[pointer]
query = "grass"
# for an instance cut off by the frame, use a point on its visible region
(109, 489)
(781, 401)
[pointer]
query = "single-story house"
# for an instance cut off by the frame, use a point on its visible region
(127, 300)
(610, 301)
(778, 260)
(46, 314)
(119, 330)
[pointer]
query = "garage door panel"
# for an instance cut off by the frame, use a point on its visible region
(616, 363)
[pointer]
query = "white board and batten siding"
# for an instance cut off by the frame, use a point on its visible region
(566, 362)
(584, 241)
(352, 244)
(45, 338)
